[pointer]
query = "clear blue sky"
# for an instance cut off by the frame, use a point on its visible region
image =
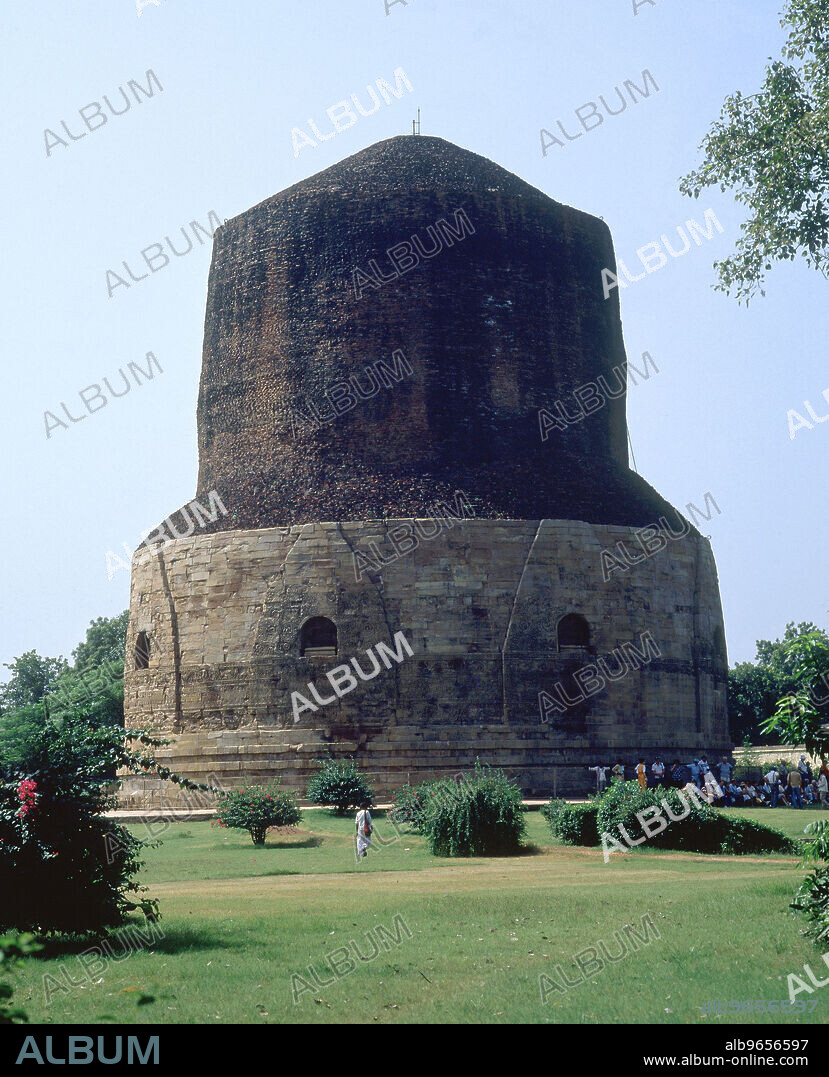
(488, 74)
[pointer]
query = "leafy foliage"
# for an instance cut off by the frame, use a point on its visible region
(341, 786)
(816, 847)
(750, 836)
(13, 948)
(32, 677)
(409, 806)
(104, 644)
(94, 681)
(749, 768)
(257, 808)
(754, 688)
(696, 827)
(812, 900)
(63, 866)
(481, 816)
(573, 824)
(771, 150)
(802, 715)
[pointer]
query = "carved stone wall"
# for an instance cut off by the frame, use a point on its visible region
(478, 604)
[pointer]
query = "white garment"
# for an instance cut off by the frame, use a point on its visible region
(363, 841)
(712, 786)
(601, 776)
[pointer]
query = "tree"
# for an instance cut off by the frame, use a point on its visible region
(32, 678)
(96, 675)
(753, 692)
(96, 680)
(754, 688)
(802, 715)
(105, 643)
(771, 150)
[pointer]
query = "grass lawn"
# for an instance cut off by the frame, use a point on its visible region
(464, 940)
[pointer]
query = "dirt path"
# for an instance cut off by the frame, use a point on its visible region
(565, 869)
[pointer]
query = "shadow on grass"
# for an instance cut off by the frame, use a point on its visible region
(307, 843)
(122, 940)
(531, 850)
(521, 851)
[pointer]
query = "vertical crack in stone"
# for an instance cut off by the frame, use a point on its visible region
(504, 716)
(695, 643)
(270, 605)
(165, 583)
(379, 591)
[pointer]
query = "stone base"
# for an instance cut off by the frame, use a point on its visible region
(407, 757)
(479, 604)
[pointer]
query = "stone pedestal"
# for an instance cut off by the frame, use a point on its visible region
(479, 605)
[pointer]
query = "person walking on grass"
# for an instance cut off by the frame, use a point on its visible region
(364, 830)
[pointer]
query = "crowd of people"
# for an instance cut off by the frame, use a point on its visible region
(795, 787)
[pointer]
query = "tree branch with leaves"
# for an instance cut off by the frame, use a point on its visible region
(771, 151)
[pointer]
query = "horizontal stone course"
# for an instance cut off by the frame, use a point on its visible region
(227, 697)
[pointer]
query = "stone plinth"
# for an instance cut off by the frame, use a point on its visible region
(479, 605)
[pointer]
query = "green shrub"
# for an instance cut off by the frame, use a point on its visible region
(408, 805)
(480, 816)
(749, 836)
(340, 786)
(812, 899)
(573, 824)
(256, 809)
(618, 805)
(65, 867)
(696, 827)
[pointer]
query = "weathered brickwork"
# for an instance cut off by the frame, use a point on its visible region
(503, 322)
(506, 319)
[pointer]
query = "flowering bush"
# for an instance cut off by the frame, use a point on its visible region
(64, 867)
(257, 808)
(408, 805)
(27, 795)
